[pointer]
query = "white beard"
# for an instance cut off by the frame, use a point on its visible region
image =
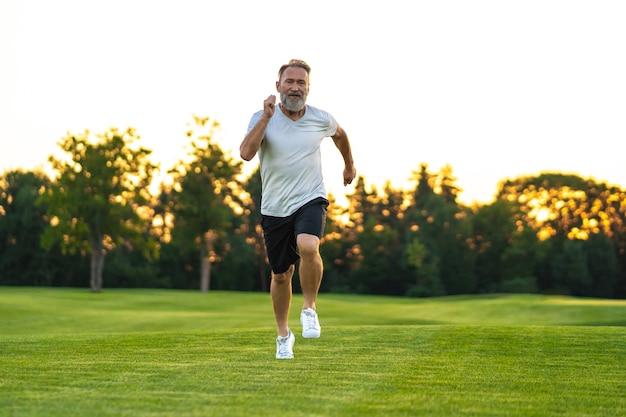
(290, 104)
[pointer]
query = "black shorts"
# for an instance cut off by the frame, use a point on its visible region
(280, 232)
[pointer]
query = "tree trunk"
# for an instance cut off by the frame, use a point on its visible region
(205, 273)
(206, 256)
(97, 264)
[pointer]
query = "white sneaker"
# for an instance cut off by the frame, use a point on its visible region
(310, 324)
(284, 346)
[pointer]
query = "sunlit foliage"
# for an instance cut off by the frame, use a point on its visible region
(205, 199)
(99, 198)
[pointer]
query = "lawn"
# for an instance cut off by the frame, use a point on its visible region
(68, 352)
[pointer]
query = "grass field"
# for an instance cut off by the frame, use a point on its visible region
(68, 352)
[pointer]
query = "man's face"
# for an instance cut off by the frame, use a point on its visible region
(293, 87)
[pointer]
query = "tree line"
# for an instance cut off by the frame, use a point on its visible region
(104, 219)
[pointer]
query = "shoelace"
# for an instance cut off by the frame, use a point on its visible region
(309, 320)
(283, 346)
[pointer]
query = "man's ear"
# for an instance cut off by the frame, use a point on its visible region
(277, 85)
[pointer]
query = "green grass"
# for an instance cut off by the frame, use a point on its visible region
(68, 352)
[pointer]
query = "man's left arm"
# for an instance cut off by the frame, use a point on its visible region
(343, 144)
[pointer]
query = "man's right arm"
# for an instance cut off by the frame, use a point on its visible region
(252, 141)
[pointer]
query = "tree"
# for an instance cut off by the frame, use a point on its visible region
(253, 229)
(518, 262)
(333, 248)
(446, 184)
(204, 196)
(562, 209)
(444, 229)
(362, 214)
(494, 229)
(603, 265)
(570, 268)
(421, 235)
(100, 197)
(22, 261)
(427, 281)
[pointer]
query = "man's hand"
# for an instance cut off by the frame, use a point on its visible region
(343, 144)
(269, 105)
(252, 141)
(349, 173)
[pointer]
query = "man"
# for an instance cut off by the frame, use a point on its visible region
(294, 199)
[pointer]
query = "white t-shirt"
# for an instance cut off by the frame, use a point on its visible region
(290, 158)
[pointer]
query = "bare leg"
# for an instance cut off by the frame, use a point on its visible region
(280, 291)
(310, 269)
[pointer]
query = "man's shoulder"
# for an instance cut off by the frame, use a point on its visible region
(317, 113)
(255, 118)
(314, 109)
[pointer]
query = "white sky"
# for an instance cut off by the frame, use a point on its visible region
(497, 89)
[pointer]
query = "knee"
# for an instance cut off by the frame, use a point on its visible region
(283, 277)
(308, 245)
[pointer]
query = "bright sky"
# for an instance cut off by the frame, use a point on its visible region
(496, 89)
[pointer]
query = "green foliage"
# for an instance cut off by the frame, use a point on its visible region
(520, 255)
(569, 213)
(570, 268)
(519, 285)
(203, 186)
(21, 225)
(252, 230)
(100, 197)
(444, 228)
(204, 197)
(416, 253)
(233, 274)
(549, 233)
(603, 264)
(127, 268)
(493, 230)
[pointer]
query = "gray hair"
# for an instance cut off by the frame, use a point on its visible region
(298, 63)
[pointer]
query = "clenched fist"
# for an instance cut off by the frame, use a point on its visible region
(268, 105)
